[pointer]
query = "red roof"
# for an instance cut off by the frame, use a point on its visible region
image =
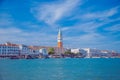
(9, 44)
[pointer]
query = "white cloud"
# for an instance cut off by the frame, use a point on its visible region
(17, 35)
(91, 40)
(88, 27)
(115, 27)
(101, 14)
(88, 23)
(5, 20)
(93, 25)
(89, 37)
(65, 28)
(52, 12)
(9, 31)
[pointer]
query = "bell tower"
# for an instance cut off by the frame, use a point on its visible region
(60, 44)
(60, 49)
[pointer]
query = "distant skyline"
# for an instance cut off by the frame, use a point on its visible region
(84, 23)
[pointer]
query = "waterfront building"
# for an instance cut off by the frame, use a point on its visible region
(43, 51)
(15, 49)
(24, 49)
(79, 51)
(75, 51)
(96, 53)
(9, 49)
(106, 53)
(88, 54)
(92, 53)
(44, 47)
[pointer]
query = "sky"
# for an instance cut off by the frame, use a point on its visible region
(84, 23)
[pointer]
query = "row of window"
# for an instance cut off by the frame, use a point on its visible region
(9, 47)
(13, 47)
(9, 53)
(9, 50)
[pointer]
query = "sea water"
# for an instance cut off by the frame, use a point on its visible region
(60, 69)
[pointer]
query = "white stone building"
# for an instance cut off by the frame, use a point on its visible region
(24, 49)
(106, 53)
(92, 53)
(78, 50)
(75, 51)
(16, 49)
(43, 51)
(9, 49)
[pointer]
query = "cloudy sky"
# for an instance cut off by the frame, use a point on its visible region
(84, 23)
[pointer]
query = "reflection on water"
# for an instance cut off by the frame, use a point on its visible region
(60, 69)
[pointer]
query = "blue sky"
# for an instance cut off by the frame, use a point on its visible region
(84, 23)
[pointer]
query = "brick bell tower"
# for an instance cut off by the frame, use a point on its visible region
(60, 44)
(60, 49)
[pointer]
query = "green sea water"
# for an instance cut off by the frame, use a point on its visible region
(60, 69)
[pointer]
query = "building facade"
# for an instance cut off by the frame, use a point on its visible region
(9, 49)
(16, 49)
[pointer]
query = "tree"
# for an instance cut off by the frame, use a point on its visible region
(51, 51)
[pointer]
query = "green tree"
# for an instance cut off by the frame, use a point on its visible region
(51, 51)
